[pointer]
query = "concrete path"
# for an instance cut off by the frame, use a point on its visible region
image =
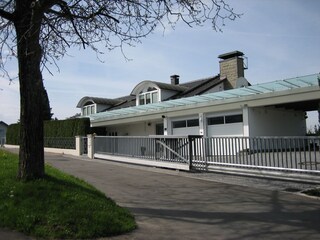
(169, 205)
(173, 205)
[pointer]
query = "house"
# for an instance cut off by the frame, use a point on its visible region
(222, 105)
(3, 132)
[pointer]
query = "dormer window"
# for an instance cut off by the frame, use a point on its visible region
(148, 92)
(151, 95)
(88, 110)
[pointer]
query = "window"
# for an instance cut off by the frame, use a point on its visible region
(233, 118)
(193, 123)
(155, 97)
(113, 134)
(148, 97)
(179, 124)
(141, 99)
(84, 111)
(185, 123)
(225, 119)
(88, 110)
(215, 120)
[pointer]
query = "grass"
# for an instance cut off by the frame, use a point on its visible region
(58, 206)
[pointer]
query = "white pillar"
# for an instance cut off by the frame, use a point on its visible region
(91, 146)
(245, 116)
(165, 125)
(202, 125)
(79, 145)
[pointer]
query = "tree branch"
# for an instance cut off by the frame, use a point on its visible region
(6, 15)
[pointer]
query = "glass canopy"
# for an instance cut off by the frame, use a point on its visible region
(276, 86)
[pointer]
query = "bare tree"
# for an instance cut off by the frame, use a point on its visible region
(39, 32)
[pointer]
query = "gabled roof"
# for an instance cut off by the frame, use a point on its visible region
(3, 123)
(200, 86)
(160, 85)
(234, 95)
(187, 89)
(127, 101)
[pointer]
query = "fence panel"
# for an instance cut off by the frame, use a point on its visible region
(84, 145)
(300, 154)
(157, 148)
(59, 142)
(277, 153)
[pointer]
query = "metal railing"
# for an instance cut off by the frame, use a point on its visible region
(160, 148)
(84, 145)
(278, 153)
(60, 142)
(300, 154)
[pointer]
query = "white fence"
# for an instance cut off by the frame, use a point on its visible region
(291, 154)
(298, 154)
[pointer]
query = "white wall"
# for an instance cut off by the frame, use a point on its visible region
(276, 122)
(265, 121)
(137, 129)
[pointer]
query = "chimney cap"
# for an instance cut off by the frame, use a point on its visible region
(174, 76)
(175, 79)
(231, 55)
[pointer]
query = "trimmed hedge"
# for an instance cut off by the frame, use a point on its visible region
(67, 128)
(55, 128)
(13, 134)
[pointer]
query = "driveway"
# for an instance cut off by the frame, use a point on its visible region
(170, 205)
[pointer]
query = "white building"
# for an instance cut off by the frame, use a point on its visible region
(223, 105)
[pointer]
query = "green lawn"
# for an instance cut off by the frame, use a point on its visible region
(59, 206)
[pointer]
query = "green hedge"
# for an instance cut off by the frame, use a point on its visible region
(55, 128)
(13, 134)
(67, 128)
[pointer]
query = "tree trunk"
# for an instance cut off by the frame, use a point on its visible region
(31, 155)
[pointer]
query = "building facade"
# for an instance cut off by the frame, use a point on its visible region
(222, 105)
(3, 132)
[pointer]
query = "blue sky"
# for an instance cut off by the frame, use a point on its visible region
(280, 38)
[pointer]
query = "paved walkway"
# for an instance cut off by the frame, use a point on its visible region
(173, 205)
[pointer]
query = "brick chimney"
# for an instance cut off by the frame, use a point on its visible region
(232, 67)
(175, 79)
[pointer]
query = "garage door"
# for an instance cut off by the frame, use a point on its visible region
(185, 127)
(221, 127)
(225, 126)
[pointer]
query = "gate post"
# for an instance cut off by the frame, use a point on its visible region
(91, 146)
(190, 139)
(79, 145)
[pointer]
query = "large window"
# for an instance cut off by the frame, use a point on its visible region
(215, 120)
(88, 110)
(225, 119)
(150, 96)
(185, 123)
(233, 118)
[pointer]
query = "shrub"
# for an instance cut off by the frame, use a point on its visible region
(55, 128)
